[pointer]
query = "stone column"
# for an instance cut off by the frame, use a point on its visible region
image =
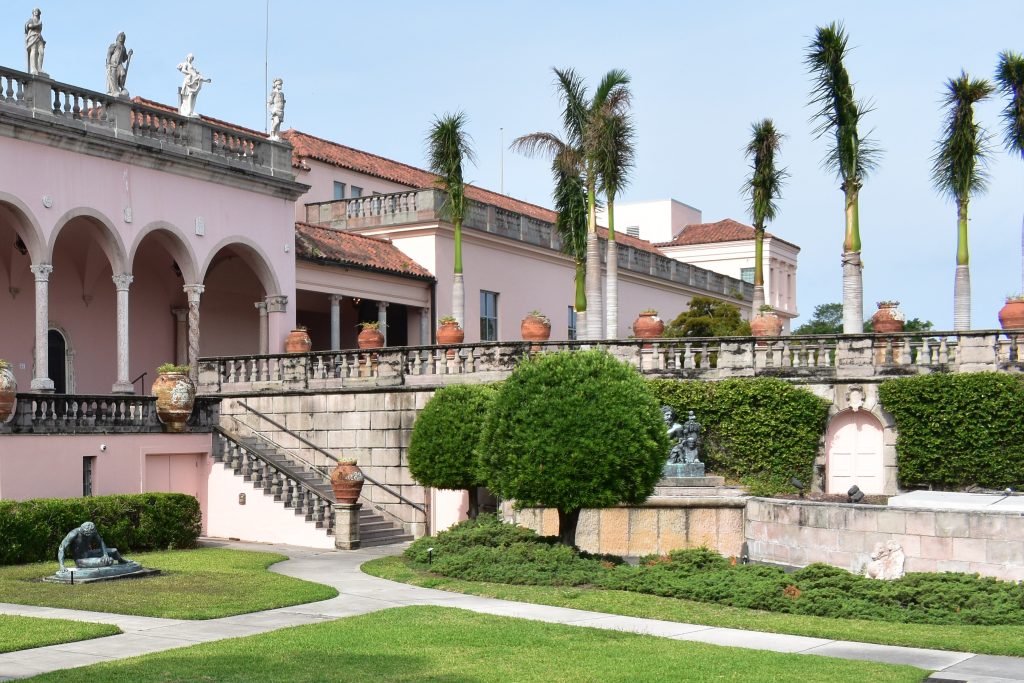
(335, 321)
(261, 307)
(180, 335)
(123, 384)
(346, 525)
(277, 306)
(42, 381)
(382, 318)
(193, 292)
(424, 326)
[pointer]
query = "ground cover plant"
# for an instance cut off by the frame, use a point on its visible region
(762, 431)
(444, 644)
(194, 584)
(22, 633)
(944, 611)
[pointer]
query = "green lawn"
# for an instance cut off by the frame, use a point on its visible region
(997, 640)
(443, 644)
(22, 633)
(194, 584)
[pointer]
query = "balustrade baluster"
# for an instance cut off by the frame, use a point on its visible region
(705, 356)
(687, 356)
(289, 492)
(905, 352)
(318, 514)
(943, 351)
(923, 352)
(300, 500)
(470, 361)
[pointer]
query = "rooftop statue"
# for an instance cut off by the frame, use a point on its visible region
(35, 46)
(94, 561)
(118, 60)
(275, 102)
(190, 87)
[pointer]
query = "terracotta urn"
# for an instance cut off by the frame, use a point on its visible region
(298, 341)
(175, 395)
(888, 317)
(535, 328)
(450, 333)
(1011, 316)
(648, 325)
(766, 324)
(347, 481)
(8, 392)
(370, 338)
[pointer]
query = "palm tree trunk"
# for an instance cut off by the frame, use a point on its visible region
(612, 283)
(458, 286)
(853, 282)
(962, 280)
(594, 330)
(581, 299)
(758, 270)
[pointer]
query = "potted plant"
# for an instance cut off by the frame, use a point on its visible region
(648, 325)
(347, 481)
(175, 395)
(449, 331)
(888, 317)
(298, 340)
(370, 336)
(8, 391)
(536, 327)
(766, 322)
(1011, 316)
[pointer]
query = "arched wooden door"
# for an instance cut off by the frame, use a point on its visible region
(854, 453)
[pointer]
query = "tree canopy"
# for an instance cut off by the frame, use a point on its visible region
(708, 317)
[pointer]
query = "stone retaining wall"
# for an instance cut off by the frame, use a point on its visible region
(659, 526)
(799, 533)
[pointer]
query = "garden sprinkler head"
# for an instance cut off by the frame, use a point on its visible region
(430, 556)
(854, 495)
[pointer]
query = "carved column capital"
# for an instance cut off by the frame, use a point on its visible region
(180, 314)
(42, 271)
(261, 307)
(193, 292)
(122, 281)
(335, 299)
(277, 303)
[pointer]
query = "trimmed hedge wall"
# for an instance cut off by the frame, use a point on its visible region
(33, 529)
(955, 430)
(762, 431)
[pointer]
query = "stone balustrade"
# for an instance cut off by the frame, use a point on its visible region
(826, 357)
(424, 206)
(99, 414)
(33, 100)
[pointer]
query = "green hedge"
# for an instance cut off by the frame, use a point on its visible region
(762, 431)
(33, 529)
(955, 430)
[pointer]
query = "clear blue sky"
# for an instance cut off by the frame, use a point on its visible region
(372, 76)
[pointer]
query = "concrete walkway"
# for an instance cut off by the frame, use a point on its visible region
(361, 593)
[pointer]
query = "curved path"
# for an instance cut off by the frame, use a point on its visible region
(360, 593)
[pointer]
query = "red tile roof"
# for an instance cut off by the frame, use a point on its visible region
(316, 243)
(726, 230)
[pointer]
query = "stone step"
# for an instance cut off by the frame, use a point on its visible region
(372, 543)
(380, 533)
(382, 525)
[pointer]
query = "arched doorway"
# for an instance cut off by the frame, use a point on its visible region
(58, 361)
(854, 453)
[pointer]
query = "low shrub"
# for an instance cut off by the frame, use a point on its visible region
(33, 529)
(488, 550)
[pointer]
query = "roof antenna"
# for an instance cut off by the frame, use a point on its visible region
(266, 68)
(501, 143)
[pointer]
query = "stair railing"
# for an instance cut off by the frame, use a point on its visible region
(324, 453)
(294, 493)
(319, 469)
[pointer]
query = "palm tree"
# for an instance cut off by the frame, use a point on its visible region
(850, 156)
(449, 145)
(571, 204)
(958, 170)
(763, 186)
(1010, 79)
(615, 159)
(579, 150)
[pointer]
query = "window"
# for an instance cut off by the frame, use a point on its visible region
(747, 275)
(356, 192)
(339, 190)
(572, 323)
(488, 316)
(88, 470)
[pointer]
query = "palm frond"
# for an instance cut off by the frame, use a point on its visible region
(763, 186)
(615, 151)
(612, 88)
(448, 145)
(573, 93)
(570, 199)
(1010, 79)
(839, 113)
(958, 165)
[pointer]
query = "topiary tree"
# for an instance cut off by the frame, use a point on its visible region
(442, 449)
(573, 430)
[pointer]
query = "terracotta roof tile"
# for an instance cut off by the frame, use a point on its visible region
(308, 146)
(316, 243)
(726, 230)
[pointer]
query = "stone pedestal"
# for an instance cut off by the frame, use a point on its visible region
(692, 481)
(346, 525)
(126, 570)
(679, 470)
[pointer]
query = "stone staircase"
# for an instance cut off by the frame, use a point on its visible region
(304, 490)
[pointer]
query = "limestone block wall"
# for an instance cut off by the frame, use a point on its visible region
(659, 525)
(373, 427)
(799, 533)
